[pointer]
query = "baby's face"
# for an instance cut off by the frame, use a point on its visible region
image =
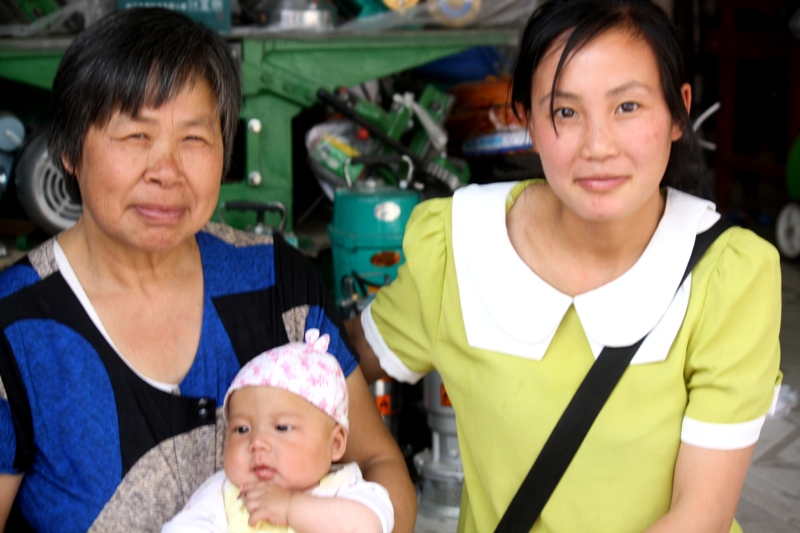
(278, 437)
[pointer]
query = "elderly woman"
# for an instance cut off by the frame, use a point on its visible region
(120, 336)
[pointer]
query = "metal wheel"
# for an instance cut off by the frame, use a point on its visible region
(787, 231)
(42, 189)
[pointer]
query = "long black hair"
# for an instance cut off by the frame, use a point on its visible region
(130, 59)
(580, 21)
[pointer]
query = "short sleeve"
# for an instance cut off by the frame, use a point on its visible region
(732, 368)
(16, 425)
(401, 324)
(8, 439)
(376, 498)
(306, 303)
(205, 510)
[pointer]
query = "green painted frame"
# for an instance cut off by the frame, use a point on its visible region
(281, 74)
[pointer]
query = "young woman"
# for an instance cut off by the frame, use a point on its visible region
(512, 290)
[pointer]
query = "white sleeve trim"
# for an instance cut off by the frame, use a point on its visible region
(345, 481)
(205, 510)
(775, 397)
(721, 436)
(376, 498)
(389, 362)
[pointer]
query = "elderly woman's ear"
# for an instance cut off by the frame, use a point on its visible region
(68, 166)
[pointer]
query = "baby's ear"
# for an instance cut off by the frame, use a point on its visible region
(338, 443)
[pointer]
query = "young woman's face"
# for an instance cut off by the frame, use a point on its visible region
(151, 181)
(278, 437)
(614, 129)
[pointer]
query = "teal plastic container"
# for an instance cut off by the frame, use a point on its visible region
(366, 235)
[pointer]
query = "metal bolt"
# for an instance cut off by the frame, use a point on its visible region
(13, 137)
(254, 125)
(254, 178)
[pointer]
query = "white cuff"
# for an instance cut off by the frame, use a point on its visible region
(721, 436)
(376, 498)
(775, 397)
(389, 362)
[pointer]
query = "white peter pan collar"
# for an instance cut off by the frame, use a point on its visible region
(509, 309)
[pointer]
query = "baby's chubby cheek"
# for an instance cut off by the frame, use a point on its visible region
(236, 464)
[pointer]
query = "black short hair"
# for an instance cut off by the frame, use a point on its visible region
(580, 21)
(134, 58)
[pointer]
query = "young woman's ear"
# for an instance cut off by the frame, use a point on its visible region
(338, 443)
(520, 112)
(686, 96)
(526, 117)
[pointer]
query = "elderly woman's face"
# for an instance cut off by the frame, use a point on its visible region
(150, 182)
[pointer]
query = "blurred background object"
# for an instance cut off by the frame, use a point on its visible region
(32, 18)
(443, 14)
(287, 15)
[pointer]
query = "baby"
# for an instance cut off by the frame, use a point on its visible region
(286, 414)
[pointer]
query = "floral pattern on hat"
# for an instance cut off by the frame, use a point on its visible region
(305, 369)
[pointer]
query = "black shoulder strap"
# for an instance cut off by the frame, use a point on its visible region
(578, 417)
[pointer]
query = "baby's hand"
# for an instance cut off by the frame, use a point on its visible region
(266, 502)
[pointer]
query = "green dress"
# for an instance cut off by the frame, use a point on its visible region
(512, 351)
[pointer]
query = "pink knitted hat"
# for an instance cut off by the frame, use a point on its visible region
(304, 369)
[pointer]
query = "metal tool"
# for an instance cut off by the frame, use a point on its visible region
(430, 166)
(313, 15)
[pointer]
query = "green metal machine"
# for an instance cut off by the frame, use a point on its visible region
(281, 75)
(35, 9)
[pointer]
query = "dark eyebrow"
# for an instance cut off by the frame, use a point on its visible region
(559, 94)
(202, 121)
(199, 121)
(627, 87)
(613, 92)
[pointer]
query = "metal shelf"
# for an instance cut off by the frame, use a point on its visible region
(281, 74)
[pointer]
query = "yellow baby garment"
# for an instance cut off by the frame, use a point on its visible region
(340, 477)
(238, 515)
